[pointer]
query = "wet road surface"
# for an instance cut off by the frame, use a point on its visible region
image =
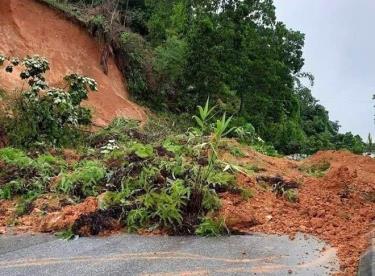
(139, 255)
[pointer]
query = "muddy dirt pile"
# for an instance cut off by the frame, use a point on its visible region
(338, 207)
(29, 28)
(50, 213)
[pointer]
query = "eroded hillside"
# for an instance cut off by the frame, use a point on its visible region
(28, 28)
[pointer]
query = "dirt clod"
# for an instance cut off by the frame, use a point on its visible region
(97, 222)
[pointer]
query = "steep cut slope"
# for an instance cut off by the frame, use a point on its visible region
(28, 28)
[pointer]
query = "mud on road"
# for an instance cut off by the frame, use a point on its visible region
(338, 207)
(136, 255)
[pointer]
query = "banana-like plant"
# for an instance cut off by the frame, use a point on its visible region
(205, 115)
(219, 130)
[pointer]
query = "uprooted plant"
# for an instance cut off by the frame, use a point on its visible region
(173, 185)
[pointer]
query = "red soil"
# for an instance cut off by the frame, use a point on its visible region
(338, 207)
(28, 28)
(48, 215)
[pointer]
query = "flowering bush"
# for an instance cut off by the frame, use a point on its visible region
(44, 114)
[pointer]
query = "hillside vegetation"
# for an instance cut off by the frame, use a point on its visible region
(228, 98)
(176, 54)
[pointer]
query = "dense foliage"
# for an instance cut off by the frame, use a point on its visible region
(43, 114)
(171, 182)
(175, 54)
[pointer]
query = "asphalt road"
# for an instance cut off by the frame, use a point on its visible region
(139, 255)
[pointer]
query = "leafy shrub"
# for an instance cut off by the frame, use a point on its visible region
(15, 157)
(119, 130)
(143, 151)
(210, 227)
(137, 218)
(246, 133)
(317, 169)
(169, 145)
(169, 66)
(165, 208)
(265, 149)
(136, 52)
(221, 180)
(84, 180)
(49, 165)
(12, 188)
(210, 200)
(23, 175)
(170, 183)
(97, 22)
(45, 114)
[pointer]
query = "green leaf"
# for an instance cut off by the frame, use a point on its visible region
(143, 151)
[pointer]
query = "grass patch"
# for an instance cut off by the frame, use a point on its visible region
(84, 180)
(212, 227)
(237, 152)
(317, 169)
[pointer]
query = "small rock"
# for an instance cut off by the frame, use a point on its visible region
(317, 222)
(321, 213)
(312, 213)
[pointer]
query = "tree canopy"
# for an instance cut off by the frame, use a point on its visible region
(234, 52)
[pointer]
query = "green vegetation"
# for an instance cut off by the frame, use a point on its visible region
(66, 234)
(316, 170)
(211, 227)
(291, 195)
(175, 54)
(149, 179)
(44, 115)
(83, 180)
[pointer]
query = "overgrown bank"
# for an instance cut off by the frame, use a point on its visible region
(165, 177)
(176, 54)
(147, 178)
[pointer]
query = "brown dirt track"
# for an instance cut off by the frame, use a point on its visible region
(28, 27)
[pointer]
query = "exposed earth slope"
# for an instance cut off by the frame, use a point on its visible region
(29, 28)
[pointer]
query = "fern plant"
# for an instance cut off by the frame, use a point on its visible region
(210, 227)
(83, 180)
(137, 218)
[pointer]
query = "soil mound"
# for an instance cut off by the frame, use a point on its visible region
(28, 28)
(338, 207)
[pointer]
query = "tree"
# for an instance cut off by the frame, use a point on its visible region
(369, 143)
(234, 52)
